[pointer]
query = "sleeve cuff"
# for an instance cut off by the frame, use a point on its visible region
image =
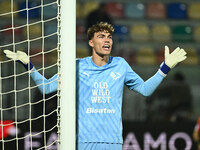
(164, 69)
(28, 66)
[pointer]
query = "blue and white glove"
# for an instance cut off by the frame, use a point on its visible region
(171, 60)
(20, 57)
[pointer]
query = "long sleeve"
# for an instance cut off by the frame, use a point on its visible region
(134, 82)
(148, 87)
(46, 86)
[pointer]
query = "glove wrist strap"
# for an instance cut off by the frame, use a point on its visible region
(28, 66)
(164, 68)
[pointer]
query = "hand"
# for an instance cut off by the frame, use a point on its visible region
(175, 57)
(19, 55)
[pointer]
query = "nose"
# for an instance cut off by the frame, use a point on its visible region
(107, 39)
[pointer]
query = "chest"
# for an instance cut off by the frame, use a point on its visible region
(100, 78)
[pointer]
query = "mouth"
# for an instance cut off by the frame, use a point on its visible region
(106, 47)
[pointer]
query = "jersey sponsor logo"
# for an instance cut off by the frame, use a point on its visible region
(100, 93)
(100, 111)
(115, 75)
(100, 99)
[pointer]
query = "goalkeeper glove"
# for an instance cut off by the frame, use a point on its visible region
(172, 59)
(20, 57)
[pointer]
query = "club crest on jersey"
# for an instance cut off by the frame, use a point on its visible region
(115, 75)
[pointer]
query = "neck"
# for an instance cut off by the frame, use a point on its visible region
(100, 60)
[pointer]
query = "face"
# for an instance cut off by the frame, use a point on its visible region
(101, 43)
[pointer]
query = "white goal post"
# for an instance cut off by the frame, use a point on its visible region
(46, 31)
(68, 46)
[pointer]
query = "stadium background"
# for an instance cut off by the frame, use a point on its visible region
(143, 28)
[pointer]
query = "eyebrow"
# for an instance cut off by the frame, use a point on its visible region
(101, 34)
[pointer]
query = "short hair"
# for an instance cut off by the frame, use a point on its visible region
(99, 27)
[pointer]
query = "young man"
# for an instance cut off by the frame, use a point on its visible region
(100, 82)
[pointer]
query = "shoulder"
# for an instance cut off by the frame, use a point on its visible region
(118, 60)
(114, 58)
(83, 60)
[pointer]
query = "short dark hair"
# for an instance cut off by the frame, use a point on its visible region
(99, 27)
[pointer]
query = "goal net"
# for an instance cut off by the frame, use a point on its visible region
(29, 119)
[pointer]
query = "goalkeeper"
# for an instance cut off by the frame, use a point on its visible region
(100, 80)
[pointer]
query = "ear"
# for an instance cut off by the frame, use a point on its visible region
(91, 43)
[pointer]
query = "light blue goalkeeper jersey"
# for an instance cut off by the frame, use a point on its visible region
(99, 96)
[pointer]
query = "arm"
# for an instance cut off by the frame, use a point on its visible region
(136, 83)
(45, 85)
(149, 86)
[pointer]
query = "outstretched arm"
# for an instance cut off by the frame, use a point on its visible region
(148, 87)
(45, 85)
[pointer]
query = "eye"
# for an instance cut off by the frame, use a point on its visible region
(100, 36)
